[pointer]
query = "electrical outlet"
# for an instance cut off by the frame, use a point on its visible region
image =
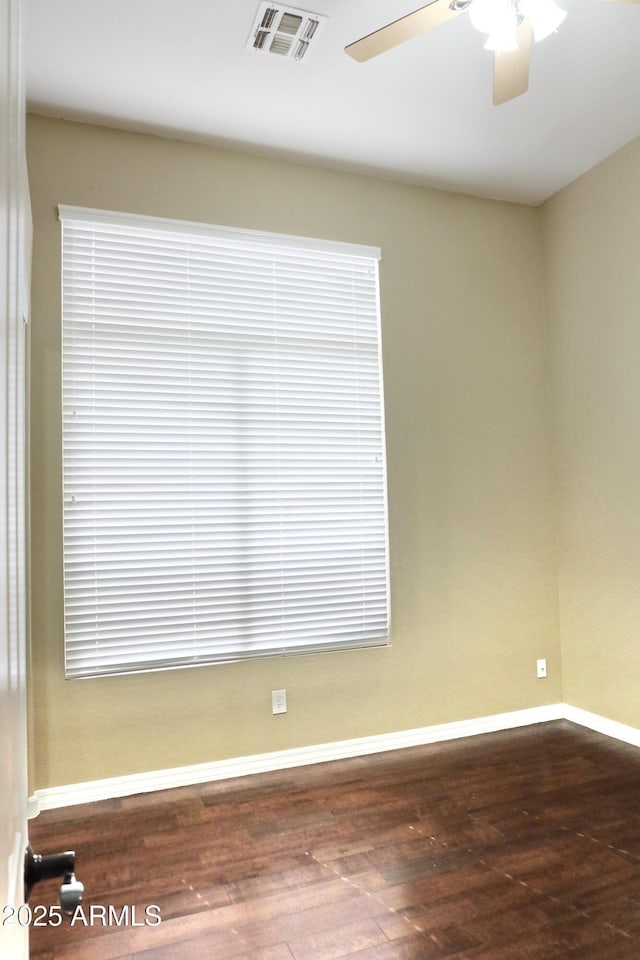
(279, 701)
(541, 669)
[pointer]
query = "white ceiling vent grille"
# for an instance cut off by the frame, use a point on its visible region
(284, 31)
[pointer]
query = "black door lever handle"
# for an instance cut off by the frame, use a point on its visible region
(37, 868)
(71, 893)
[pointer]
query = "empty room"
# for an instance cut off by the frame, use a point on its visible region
(321, 499)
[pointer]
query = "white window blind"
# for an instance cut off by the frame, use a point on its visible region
(223, 445)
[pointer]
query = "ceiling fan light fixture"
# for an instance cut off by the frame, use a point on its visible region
(488, 16)
(483, 14)
(498, 19)
(503, 40)
(545, 16)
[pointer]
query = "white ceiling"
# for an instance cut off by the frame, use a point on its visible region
(421, 113)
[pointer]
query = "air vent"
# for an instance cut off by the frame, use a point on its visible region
(284, 31)
(260, 39)
(280, 45)
(290, 23)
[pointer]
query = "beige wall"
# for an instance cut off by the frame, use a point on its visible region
(471, 508)
(592, 264)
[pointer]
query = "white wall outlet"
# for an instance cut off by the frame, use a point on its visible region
(279, 701)
(541, 669)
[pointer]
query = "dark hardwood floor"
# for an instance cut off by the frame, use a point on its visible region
(522, 845)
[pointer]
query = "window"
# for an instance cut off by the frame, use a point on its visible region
(223, 445)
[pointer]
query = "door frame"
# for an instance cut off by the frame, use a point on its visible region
(13, 564)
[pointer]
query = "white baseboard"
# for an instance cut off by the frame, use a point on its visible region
(64, 796)
(610, 728)
(53, 797)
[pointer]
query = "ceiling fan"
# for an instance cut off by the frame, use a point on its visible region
(510, 26)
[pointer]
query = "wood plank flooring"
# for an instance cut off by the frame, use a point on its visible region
(522, 845)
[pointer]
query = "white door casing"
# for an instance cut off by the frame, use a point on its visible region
(13, 631)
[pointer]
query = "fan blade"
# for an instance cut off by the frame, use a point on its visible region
(403, 29)
(511, 68)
